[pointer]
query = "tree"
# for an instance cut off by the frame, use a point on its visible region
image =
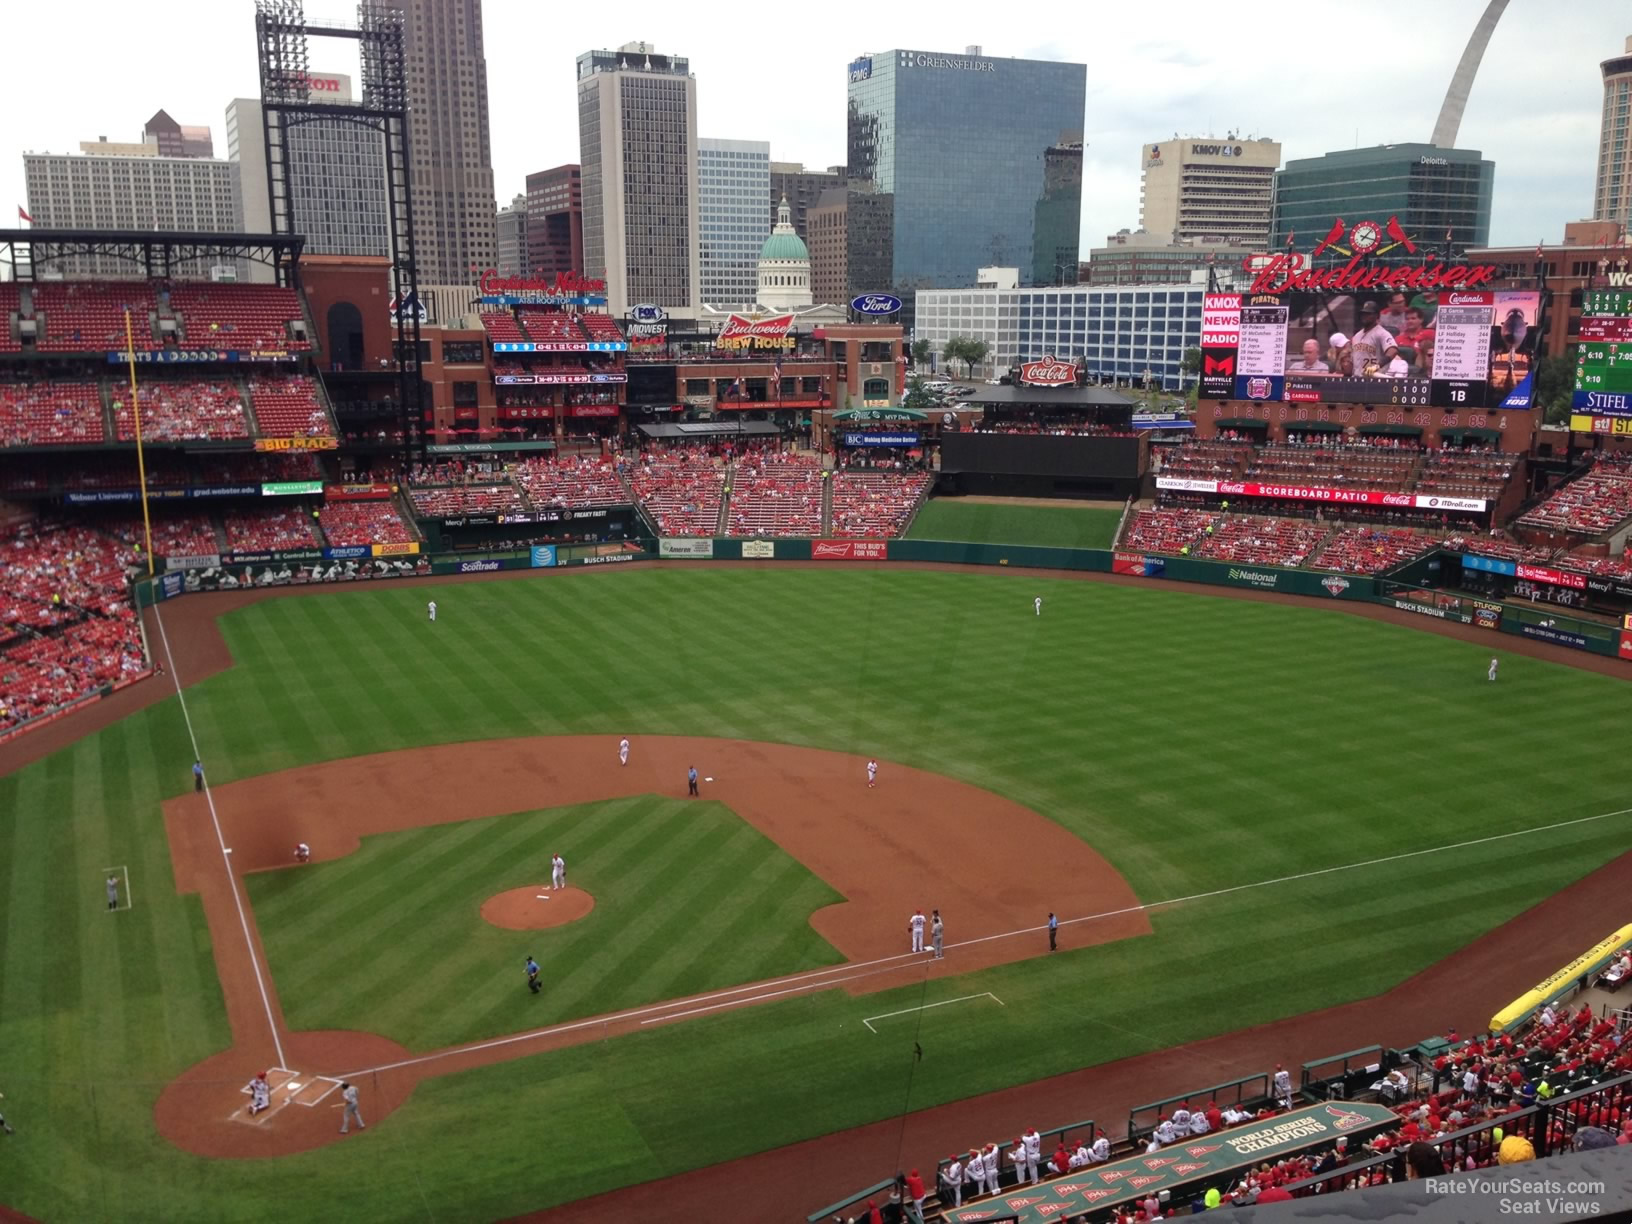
(920, 353)
(1190, 363)
(967, 350)
(1555, 384)
(917, 397)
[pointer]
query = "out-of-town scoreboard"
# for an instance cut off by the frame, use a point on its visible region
(1602, 402)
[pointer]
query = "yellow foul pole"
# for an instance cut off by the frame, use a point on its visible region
(141, 461)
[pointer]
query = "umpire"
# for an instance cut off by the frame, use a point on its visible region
(691, 780)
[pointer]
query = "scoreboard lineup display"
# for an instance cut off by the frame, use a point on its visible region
(1447, 349)
(1603, 364)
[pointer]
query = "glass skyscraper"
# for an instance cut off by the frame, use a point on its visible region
(964, 161)
(733, 182)
(1430, 189)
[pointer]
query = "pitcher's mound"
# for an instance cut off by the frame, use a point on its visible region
(521, 909)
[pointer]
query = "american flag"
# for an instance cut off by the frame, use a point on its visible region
(778, 365)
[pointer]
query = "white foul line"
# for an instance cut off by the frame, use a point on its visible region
(905, 1011)
(232, 880)
(889, 962)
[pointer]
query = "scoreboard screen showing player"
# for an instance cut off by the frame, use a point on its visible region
(1445, 349)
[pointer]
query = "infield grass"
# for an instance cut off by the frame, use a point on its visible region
(1198, 742)
(1056, 526)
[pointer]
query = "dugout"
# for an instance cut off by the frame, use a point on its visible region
(1034, 441)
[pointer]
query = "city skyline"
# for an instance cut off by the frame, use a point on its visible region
(1534, 108)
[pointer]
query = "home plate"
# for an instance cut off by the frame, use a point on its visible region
(708, 779)
(293, 1086)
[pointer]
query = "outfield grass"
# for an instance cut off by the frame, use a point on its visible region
(1054, 526)
(660, 929)
(1198, 742)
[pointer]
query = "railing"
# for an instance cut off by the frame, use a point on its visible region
(1364, 1064)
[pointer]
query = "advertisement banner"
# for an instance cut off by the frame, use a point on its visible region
(542, 556)
(291, 488)
(198, 356)
(1138, 564)
(848, 550)
(758, 550)
(272, 557)
(399, 549)
(1447, 609)
(1618, 588)
(1353, 497)
(1487, 615)
(878, 439)
(99, 497)
(350, 552)
(685, 548)
(1626, 645)
(356, 492)
(200, 561)
(559, 346)
(741, 333)
(592, 410)
(478, 567)
(560, 377)
(296, 444)
(169, 586)
(1559, 637)
(1553, 577)
(1260, 579)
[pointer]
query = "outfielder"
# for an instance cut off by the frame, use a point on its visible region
(1038, 604)
(915, 928)
(431, 608)
(348, 1094)
(623, 752)
(1492, 672)
(558, 872)
(872, 773)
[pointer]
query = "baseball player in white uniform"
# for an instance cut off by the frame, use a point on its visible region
(558, 871)
(260, 1094)
(974, 1172)
(431, 608)
(1038, 604)
(994, 1168)
(954, 1179)
(1492, 672)
(872, 770)
(1034, 1152)
(623, 752)
(1283, 1083)
(915, 927)
(1017, 1157)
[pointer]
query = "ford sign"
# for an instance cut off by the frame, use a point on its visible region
(875, 304)
(647, 314)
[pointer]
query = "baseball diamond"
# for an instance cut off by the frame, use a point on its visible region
(1150, 765)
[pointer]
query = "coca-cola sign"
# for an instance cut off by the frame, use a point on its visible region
(1048, 373)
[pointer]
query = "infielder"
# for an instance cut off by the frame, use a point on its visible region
(1492, 672)
(558, 872)
(431, 608)
(113, 892)
(1038, 604)
(935, 932)
(303, 852)
(915, 928)
(623, 752)
(348, 1094)
(872, 773)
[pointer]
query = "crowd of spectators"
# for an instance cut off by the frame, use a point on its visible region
(873, 505)
(681, 489)
(1337, 467)
(264, 530)
(50, 413)
(1589, 505)
(776, 496)
(182, 410)
(1369, 550)
(347, 524)
(1259, 541)
(559, 483)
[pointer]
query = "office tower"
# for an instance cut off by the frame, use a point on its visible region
(555, 221)
(732, 179)
(1203, 189)
(1612, 197)
(510, 237)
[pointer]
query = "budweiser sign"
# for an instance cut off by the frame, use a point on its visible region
(565, 284)
(1287, 272)
(1048, 373)
(739, 328)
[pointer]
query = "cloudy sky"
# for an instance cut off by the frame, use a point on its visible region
(1314, 78)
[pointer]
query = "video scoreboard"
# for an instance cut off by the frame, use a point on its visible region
(1447, 349)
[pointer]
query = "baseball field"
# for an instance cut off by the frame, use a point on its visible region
(1241, 811)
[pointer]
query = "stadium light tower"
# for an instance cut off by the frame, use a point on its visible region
(1456, 97)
